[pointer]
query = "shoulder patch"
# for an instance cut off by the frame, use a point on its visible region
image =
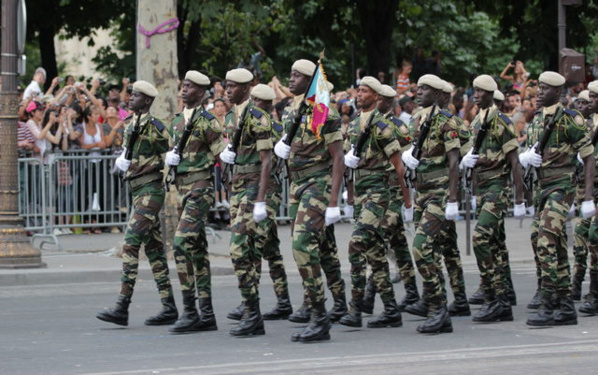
(256, 112)
(445, 113)
(397, 121)
(382, 125)
(571, 112)
(158, 124)
(504, 117)
(207, 115)
(129, 117)
(277, 126)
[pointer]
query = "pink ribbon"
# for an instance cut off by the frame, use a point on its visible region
(160, 29)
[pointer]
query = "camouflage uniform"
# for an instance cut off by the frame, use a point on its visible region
(430, 201)
(555, 196)
(145, 180)
(194, 182)
(255, 137)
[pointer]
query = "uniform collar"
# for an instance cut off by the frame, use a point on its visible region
(547, 111)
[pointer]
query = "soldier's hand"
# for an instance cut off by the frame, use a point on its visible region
(228, 155)
(407, 214)
(333, 215)
(451, 211)
(172, 159)
(349, 211)
(519, 210)
(259, 211)
(588, 209)
(122, 163)
(408, 159)
(469, 160)
(351, 160)
(282, 150)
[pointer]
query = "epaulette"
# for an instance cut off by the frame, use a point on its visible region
(382, 125)
(129, 117)
(256, 112)
(397, 121)
(571, 112)
(277, 126)
(158, 124)
(207, 115)
(504, 117)
(445, 113)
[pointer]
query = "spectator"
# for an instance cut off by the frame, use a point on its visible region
(458, 102)
(69, 80)
(517, 80)
(407, 105)
(471, 110)
(382, 77)
(113, 129)
(217, 88)
(39, 126)
(34, 89)
(403, 82)
(219, 109)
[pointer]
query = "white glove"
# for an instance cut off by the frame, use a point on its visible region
(122, 163)
(228, 156)
(281, 149)
(474, 202)
(531, 210)
(588, 209)
(571, 211)
(333, 214)
(519, 210)
(579, 159)
(451, 211)
(351, 160)
(469, 160)
(407, 214)
(349, 211)
(259, 211)
(524, 157)
(172, 159)
(409, 160)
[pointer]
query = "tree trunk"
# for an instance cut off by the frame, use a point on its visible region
(48, 53)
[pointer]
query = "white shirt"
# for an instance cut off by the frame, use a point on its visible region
(32, 90)
(405, 117)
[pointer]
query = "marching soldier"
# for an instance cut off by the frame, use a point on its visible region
(555, 145)
(315, 161)
(147, 140)
(436, 196)
(373, 146)
(492, 157)
(196, 136)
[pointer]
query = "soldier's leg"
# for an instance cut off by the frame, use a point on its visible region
(454, 268)
(331, 266)
(580, 252)
(535, 227)
(590, 303)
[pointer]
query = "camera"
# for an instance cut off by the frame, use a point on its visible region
(102, 82)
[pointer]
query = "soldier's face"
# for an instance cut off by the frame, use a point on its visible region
(298, 82)
(547, 95)
(236, 92)
(426, 95)
(137, 101)
(266, 105)
(582, 106)
(366, 97)
(385, 104)
(593, 104)
(483, 98)
(191, 93)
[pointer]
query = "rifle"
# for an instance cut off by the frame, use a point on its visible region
(579, 167)
(363, 137)
(133, 138)
(476, 149)
(528, 176)
(178, 149)
(235, 143)
(419, 144)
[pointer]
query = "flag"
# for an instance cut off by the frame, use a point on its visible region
(318, 96)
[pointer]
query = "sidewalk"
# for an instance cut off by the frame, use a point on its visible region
(89, 258)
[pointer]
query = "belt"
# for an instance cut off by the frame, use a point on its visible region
(551, 172)
(489, 175)
(249, 168)
(144, 179)
(423, 178)
(191, 177)
(359, 173)
(298, 175)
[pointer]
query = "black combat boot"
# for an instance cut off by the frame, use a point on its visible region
(390, 317)
(419, 308)
(566, 316)
(189, 320)
(302, 315)
(545, 315)
(168, 315)
(576, 282)
(590, 304)
(252, 322)
(439, 320)
(119, 314)
(236, 313)
(282, 310)
(536, 299)
(207, 320)
(319, 325)
(511, 296)
(411, 296)
(353, 317)
(369, 298)
(459, 307)
(494, 309)
(477, 298)
(339, 309)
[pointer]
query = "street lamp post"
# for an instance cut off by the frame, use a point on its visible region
(15, 249)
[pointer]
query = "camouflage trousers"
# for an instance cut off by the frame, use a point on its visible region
(452, 257)
(489, 237)
(394, 234)
(593, 242)
(308, 200)
(580, 240)
(428, 242)
(144, 228)
(243, 247)
(367, 243)
(190, 243)
(268, 244)
(549, 240)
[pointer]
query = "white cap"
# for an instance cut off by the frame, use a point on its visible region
(240, 75)
(498, 95)
(197, 78)
(145, 88)
(305, 67)
(552, 78)
(263, 92)
(387, 91)
(372, 83)
(485, 82)
(430, 80)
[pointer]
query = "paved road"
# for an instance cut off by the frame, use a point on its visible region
(51, 329)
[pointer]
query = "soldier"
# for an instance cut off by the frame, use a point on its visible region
(436, 196)
(568, 137)
(373, 146)
(193, 163)
(497, 154)
(395, 240)
(315, 161)
(142, 164)
(250, 154)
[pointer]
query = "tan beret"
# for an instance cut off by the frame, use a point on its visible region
(240, 75)
(372, 83)
(552, 78)
(584, 95)
(593, 87)
(145, 88)
(485, 82)
(430, 80)
(197, 78)
(498, 95)
(448, 87)
(387, 91)
(263, 92)
(305, 67)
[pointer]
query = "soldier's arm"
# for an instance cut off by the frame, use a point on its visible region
(338, 169)
(266, 158)
(453, 160)
(396, 161)
(589, 168)
(513, 159)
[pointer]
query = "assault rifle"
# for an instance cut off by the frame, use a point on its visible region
(235, 143)
(179, 148)
(133, 138)
(476, 148)
(419, 144)
(363, 137)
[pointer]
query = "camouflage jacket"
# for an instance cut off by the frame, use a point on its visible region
(149, 147)
(401, 133)
(569, 136)
(204, 144)
(306, 149)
